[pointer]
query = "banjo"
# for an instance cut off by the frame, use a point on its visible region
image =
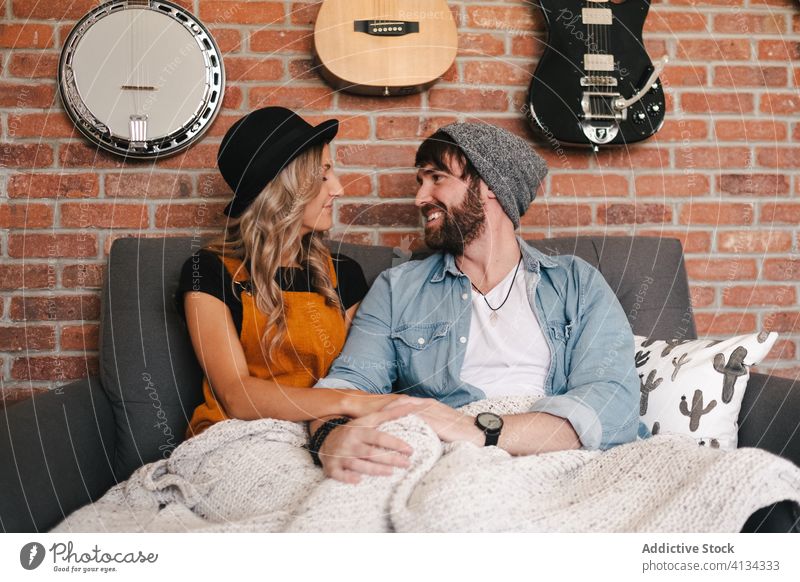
(141, 78)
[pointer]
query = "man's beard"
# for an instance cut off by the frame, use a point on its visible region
(459, 227)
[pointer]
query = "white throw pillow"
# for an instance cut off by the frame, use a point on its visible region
(695, 387)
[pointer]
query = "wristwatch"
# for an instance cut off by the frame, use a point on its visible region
(491, 425)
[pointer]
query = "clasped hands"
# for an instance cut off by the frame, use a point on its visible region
(359, 448)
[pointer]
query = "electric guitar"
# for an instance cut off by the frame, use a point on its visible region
(595, 84)
(384, 47)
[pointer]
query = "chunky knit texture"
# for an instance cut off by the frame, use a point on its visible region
(254, 477)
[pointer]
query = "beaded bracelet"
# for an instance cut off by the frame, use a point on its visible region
(321, 434)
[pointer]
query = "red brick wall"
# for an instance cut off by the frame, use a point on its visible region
(722, 174)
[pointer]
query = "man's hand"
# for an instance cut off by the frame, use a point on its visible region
(358, 447)
(448, 423)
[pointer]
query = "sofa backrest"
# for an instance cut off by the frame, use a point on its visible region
(149, 370)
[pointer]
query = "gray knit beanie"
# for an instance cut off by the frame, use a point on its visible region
(508, 165)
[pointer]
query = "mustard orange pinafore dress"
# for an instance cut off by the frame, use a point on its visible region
(315, 335)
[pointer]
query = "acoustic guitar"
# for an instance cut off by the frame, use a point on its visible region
(384, 47)
(594, 83)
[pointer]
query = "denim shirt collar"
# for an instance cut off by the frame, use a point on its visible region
(532, 258)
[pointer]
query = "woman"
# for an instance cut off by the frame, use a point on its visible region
(266, 304)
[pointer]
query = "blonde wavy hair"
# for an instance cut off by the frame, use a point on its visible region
(269, 232)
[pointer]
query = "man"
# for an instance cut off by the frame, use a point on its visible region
(489, 316)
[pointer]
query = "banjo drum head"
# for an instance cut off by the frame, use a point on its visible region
(141, 79)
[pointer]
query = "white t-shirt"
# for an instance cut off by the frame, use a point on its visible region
(508, 356)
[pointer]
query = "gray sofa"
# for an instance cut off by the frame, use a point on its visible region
(64, 449)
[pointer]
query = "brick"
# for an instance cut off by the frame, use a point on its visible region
(708, 269)
(758, 295)
(778, 158)
(190, 215)
(291, 97)
(222, 124)
(750, 130)
(750, 23)
(41, 125)
(722, 212)
(233, 98)
(25, 96)
(52, 245)
(718, 49)
(691, 241)
(80, 337)
(26, 276)
(638, 157)
(349, 102)
(513, 20)
(775, 213)
(281, 41)
(779, 50)
(780, 103)
(781, 269)
(253, 69)
(458, 100)
(684, 76)
(717, 102)
(782, 321)
(79, 154)
(606, 185)
(379, 215)
(36, 9)
(55, 307)
(228, 40)
(54, 368)
(302, 70)
(27, 337)
(395, 185)
(672, 185)
(528, 45)
(712, 157)
(241, 12)
(19, 36)
(19, 155)
(84, 275)
(682, 130)
(404, 240)
(305, 13)
(711, 324)
(749, 241)
(358, 237)
(114, 215)
(701, 296)
(782, 350)
(494, 72)
(633, 213)
(213, 186)
(151, 185)
(750, 76)
(356, 184)
(202, 156)
(53, 186)
(382, 156)
(33, 65)
(672, 22)
(754, 184)
(405, 127)
(549, 214)
(480, 44)
(25, 215)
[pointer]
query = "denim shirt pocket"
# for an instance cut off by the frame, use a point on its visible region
(421, 336)
(560, 330)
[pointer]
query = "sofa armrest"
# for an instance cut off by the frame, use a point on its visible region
(56, 455)
(770, 416)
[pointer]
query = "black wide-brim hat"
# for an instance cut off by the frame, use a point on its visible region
(262, 143)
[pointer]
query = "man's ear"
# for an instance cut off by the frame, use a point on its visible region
(486, 191)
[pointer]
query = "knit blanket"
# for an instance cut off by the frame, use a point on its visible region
(255, 476)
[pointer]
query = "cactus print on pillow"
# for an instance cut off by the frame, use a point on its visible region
(695, 387)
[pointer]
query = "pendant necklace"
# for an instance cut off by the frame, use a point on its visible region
(493, 317)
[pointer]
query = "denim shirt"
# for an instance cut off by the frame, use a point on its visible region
(412, 328)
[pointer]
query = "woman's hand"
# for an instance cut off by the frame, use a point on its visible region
(359, 448)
